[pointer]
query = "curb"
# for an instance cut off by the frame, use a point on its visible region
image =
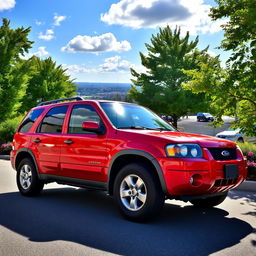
(4, 157)
(247, 185)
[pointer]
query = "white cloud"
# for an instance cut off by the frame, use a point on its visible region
(115, 64)
(49, 35)
(7, 4)
(96, 44)
(39, 23)
(76, 69)
(211, 53)
(39, 53)
(189, 15)
(111, 65)
(58, 19)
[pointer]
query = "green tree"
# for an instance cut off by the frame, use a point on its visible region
(47, 82)
(13, 71)
(233, 90)
(160, 87)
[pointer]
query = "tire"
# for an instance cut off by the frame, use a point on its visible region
(138, 193)
(209, 202)
(27, 179)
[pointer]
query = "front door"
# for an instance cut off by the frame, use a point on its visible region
(83, 153)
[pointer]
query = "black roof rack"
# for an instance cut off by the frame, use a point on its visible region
(59, 100)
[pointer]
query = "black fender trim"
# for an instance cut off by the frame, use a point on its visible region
(143, 154)
(27, 150)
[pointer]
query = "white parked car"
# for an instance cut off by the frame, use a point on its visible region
(235, 135)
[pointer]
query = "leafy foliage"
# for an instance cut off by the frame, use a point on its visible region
(233, 89)
(160, 87)
(47, 82)
(249, 150)
(8, 128)
(13, 77)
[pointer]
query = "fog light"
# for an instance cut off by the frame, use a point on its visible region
(196, 180)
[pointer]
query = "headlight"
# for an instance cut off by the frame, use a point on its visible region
(184, 150)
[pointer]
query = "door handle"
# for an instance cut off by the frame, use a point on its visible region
(37, 140)
(68, 141)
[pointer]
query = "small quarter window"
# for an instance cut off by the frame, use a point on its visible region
(53, 121)
(30, 119)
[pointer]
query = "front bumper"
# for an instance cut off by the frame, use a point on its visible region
(187, 176)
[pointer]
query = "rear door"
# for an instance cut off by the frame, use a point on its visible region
(47, 140)
(83, 153)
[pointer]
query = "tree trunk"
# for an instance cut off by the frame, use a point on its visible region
(175, 121)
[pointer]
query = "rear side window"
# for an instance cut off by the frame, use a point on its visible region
(53, 121)
(80, 114)
(30, 119)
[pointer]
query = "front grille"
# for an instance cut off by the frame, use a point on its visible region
(224, 182)
(217, 153)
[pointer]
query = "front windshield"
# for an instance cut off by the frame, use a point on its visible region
(234, 129)
(129, 116)
(207, 114)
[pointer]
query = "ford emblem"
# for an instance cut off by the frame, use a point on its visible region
(225, 153)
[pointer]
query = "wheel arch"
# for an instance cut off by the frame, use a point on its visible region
(25, 153)
(133, 155)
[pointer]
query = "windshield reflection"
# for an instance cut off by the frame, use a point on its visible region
(130, 116)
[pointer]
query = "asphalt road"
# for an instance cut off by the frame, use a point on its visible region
(70, 221)
(191, 125)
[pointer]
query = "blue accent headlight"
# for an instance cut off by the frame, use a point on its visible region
(184, 150)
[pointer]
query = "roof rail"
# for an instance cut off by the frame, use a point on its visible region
(59, 100)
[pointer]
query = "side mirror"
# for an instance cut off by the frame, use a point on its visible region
(91, 126)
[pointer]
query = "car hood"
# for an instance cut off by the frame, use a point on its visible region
(228, 133)
(181, 137)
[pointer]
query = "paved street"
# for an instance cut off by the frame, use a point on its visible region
(192, 126)
(70, 221)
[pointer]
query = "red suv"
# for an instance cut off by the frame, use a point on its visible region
(126, 150)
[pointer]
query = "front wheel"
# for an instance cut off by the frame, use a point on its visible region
(209, 202)
(27, 179)
(138, 193)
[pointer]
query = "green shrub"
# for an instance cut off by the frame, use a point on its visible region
(249, 150)
(8, 128)
(247, 147)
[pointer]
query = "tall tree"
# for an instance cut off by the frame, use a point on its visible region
(13, 71)
(236, 93)
(159, 88)
(47, 82)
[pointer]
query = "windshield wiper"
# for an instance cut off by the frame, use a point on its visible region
(135, 127)
(143, 128)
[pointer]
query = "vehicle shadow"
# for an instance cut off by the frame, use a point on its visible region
(90, 218)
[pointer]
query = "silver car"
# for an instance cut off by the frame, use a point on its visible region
(235, 135)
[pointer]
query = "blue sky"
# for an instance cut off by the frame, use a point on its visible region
(99, 40)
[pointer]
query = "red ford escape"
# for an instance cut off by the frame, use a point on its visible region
(126, 150)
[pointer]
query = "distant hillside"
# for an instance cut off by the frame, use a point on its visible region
(103, 90)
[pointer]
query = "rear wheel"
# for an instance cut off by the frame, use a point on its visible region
(209, 202)
(138, 193)
(27, 179)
